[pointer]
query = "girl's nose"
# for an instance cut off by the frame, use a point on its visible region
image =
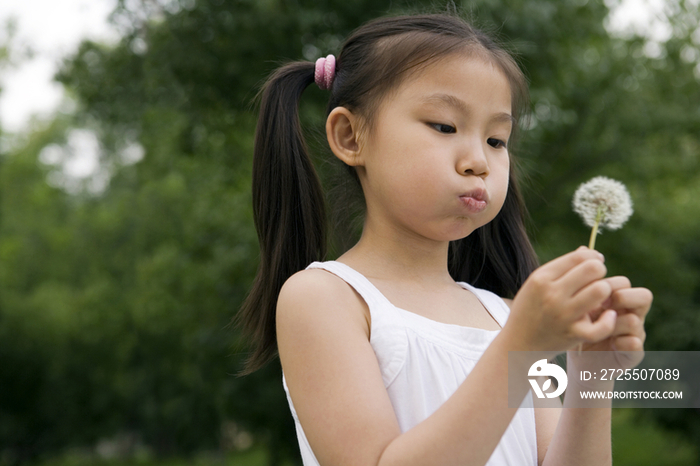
(472, 159)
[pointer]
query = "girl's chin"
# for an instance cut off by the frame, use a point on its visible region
(461, 233)
(469, 225)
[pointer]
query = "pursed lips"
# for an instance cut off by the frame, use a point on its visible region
(475, 200)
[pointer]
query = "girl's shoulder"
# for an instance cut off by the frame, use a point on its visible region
(316, 280)
(313, 295)
(312, 284)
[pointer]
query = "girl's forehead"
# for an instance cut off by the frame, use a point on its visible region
(455, 70)
(460, 77)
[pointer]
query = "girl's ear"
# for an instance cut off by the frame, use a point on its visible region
(343, 132)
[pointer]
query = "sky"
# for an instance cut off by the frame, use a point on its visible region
(54, 28)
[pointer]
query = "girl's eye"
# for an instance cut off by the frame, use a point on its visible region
(445, 129)
(496, 143)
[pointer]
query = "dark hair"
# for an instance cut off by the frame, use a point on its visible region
(288, 202)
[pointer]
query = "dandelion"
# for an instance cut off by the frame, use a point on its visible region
(602, 203)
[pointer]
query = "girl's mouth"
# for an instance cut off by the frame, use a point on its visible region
(473, 204)
(475, 200)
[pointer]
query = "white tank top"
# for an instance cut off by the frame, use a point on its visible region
(423, 361)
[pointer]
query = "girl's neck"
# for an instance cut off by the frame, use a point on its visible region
(388, 254)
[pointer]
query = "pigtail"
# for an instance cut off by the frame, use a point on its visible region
(288, 206)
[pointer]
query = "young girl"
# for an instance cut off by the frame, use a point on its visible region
(396, 353)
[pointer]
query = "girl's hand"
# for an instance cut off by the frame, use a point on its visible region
(552, 310)
(630, 306)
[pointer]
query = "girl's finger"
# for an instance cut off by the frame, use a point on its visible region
(556, 268)
(595, 331)
(590, 298)
(636, 300)
(581, 276)
(628, 343)
(618, 282)
(629, 324)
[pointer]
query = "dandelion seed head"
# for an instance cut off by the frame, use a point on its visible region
(607, 194)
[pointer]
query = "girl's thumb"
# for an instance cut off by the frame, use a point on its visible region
(608, 319)
(605, 324)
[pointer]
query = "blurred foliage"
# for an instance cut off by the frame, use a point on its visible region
(114, 301)
(640, 443)
(251, 457)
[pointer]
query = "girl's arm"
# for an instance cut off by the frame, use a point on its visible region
(337, 389)
(546, 419)
(582, 435)
(577, 424)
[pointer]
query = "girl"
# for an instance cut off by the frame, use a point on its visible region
(396, 353)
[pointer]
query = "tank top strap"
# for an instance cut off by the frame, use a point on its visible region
(387, 329)
(372, 296)
(493, 303)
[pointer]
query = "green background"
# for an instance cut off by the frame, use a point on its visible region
(115, 346)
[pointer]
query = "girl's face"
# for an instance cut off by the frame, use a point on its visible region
(436, 162)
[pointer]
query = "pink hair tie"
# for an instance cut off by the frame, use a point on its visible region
(325, 72)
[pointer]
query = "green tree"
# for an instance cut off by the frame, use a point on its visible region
(114, 305)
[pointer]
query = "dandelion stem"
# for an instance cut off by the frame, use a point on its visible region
(594, 232)
(591, 244)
